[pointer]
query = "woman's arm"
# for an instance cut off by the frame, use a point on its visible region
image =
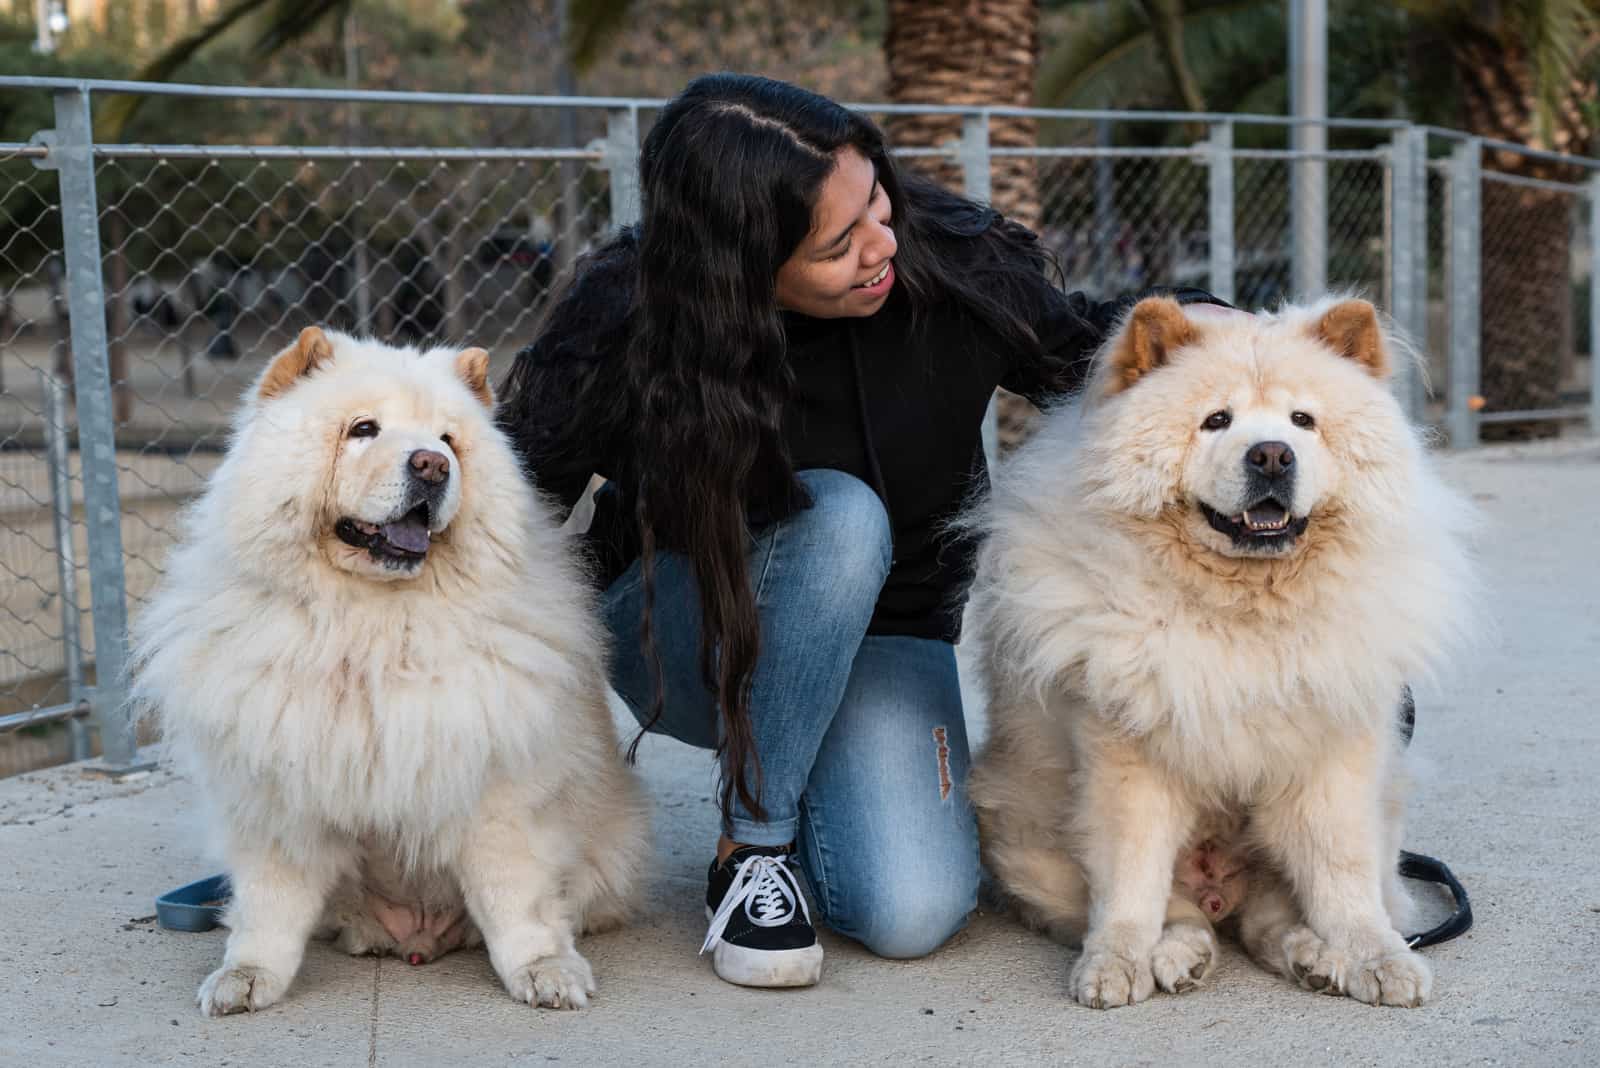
(1071, 328)
(558, 460)
(563, 402)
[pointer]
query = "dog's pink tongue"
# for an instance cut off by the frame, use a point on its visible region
(408, 534)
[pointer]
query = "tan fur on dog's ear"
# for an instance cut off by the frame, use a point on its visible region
(311, 349)
(472, 367)
(1351, 329)
(1156, 329)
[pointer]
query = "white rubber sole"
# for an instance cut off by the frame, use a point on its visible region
(766, 967)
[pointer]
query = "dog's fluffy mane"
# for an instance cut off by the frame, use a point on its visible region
(1088, 583)
(249, 577)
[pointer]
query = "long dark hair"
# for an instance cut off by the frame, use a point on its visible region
(730, 173)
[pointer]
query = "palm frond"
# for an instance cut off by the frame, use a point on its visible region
(1552, 32)
(1113, 61)
(1083, 67)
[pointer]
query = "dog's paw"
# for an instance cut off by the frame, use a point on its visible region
(241, 988)
(1314, 964)
(1105, 980)
(1183, 957)
(361, 940)
(561, 982)
(1400, 978)
(1403, 979)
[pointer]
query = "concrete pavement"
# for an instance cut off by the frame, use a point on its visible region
(86, 978)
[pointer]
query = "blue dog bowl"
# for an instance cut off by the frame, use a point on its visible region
(196, 907)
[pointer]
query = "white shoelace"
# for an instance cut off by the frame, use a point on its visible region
(766, 889)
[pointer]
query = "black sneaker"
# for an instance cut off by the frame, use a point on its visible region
(761, 933)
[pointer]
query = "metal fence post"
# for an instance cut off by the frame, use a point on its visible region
(1466, 222)
(622, 162)
(1105, 211)
(1220, 157)
(973, 152)
(72, 157)
(1594, 304)
(1308, 170)
(1407, 199)
(58, 458)
(1419, 242)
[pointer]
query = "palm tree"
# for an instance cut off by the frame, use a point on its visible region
(973, 52)
(1520, 71)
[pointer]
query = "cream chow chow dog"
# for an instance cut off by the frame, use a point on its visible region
(373, 650)
(1201, 595)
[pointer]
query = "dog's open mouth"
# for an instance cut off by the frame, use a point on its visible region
(1265, 524)
(401, 542)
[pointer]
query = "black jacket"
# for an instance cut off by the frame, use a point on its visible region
(901, 409)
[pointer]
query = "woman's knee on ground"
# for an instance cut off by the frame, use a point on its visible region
(846, 527)
(908, 921)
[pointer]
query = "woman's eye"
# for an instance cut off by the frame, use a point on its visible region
(1302, 419)
(366, 428)
(1217, 421)
(838, 255)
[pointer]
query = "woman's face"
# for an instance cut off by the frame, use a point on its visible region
(843, 267)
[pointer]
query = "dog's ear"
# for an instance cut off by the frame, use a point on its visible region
(309, 351)
(1156, 329)
(472, 367)
(1351, 329)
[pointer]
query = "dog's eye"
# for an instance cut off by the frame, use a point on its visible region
(366, 428)
(1217, 420)
(1302, 419)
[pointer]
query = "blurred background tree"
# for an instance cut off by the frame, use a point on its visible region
(1522, 71)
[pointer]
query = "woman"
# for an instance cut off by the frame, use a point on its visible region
(782, 373)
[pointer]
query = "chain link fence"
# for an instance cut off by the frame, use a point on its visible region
(142, 287)
(42, 656)
(215, 259)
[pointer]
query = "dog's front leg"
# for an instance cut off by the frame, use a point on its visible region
(277, 901)
(1328, 835)
(1132, 824)
(512, 869)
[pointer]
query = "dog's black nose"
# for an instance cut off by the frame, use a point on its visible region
(430, 466)
(1271, 458)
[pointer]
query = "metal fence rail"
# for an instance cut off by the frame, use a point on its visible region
(143, 285)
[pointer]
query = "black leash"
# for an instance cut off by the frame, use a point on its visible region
(1430, 869)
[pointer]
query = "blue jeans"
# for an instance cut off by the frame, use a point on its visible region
(862, 741)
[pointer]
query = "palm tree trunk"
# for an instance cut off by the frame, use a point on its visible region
(971, 52)
(967, 52)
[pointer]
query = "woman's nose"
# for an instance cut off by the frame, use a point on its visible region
(881, 247)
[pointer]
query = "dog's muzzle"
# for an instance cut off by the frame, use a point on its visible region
(401, 542)
(1265, 524)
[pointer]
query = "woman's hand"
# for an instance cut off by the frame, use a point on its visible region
(1204, 310)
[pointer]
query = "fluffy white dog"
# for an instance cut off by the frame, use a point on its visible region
(376, 656)
(1201, 595)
